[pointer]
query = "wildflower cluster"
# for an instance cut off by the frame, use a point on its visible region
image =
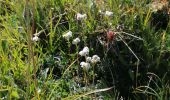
(85, 65)
(89, 60)
(95, 59)
(84, 52)
(68, 35)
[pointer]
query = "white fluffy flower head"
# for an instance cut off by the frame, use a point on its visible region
(86, 49)
(76, 41)
(88, 59)
(35, 38)
(85, 65)
(81, 16)
(81, 53)
(68, 35)
(108, 13)
(84, 52)
(95, 59)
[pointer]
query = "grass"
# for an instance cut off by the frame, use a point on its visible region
(134, 64)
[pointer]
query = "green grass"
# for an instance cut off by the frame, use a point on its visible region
(134, 65)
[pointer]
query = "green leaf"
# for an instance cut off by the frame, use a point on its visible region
(15, 94)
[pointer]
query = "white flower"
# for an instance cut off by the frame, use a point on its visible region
(84, 52)
(108, 13)
(85, 65)
(76, 41)
(95, 59)
(81, 53)
(88, 59)
(68, 35)
(35, 38)
(81, 16)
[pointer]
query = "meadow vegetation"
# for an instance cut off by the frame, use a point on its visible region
(84, 50)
